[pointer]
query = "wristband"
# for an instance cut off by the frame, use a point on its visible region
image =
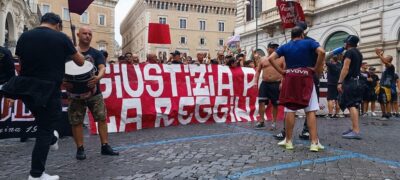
(339, 83)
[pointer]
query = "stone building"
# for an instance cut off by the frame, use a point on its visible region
(99, 16)
(376, 22)
(16, 16)
(195, 26)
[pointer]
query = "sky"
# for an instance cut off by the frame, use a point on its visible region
(121, 10)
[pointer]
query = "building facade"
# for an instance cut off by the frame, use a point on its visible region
(16, 16)
(99, 17)
(195, 26)
(376, 22)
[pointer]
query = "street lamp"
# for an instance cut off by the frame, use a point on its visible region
(247, 3)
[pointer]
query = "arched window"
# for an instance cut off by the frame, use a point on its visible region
(335, 40)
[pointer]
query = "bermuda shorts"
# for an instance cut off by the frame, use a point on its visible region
(77, 109)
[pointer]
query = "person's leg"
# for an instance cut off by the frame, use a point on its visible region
(365, 106)
(337, 112)
(261, 110)
(354, 116)
(373, 107)
(312, 126)
(330, 107)
(45, 118)
(289, 125)
(76, 114)
(97, 107)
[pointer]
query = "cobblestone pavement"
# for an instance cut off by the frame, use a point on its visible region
(221, 151)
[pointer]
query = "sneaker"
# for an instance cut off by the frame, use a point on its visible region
(273, 126)
(107, 150)
(384, 118)
(364, 115)
(314, 147)
(55, 145)
(289, 145)
(320, 146)
(352, 135)
(80, 153)
(280, 136)
(44, 176)
(347, 132)
(305, 135)
(282, 143)
(259, 125)
(373, 114)
(335, 116)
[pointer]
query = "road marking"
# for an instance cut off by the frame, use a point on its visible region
(178, 140)
(269, 169)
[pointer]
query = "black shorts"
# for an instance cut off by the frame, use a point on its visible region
(369, 95)
(269, 91)
(352, 95)
(394, 96)
(332, 92)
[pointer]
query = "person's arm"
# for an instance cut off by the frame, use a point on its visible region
(258, 72)
(384, 60)
(343, 73)
(319, 65)
(276, 66)
(78, 58)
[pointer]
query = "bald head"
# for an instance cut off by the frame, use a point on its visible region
(85, 35)
(152, 58)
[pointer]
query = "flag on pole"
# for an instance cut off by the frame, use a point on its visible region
(78, 6)
(159, 34)
(290, 12)
(233, 39)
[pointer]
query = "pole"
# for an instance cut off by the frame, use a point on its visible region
(73, 28)
(256, 1)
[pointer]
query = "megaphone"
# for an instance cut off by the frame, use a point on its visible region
(336, 51)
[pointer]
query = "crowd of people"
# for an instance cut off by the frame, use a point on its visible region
(228, 57)
(298, 64)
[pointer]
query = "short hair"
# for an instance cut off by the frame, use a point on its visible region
(128, 53)
(51, 18)
(297, 32)
(239, 56)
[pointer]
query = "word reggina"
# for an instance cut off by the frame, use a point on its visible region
(199, 73)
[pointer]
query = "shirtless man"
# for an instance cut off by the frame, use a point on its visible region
(269, 88)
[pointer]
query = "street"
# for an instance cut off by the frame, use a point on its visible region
(221, 151)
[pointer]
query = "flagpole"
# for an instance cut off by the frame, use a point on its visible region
(73, 28)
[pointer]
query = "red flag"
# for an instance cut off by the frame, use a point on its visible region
(78, 6)
(159, 33)
(291, 12)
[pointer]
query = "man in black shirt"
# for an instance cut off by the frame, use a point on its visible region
(349, 85)
(43, 52)
(95, 103)
(372, 84)
(176, 57)
(385, 94)
(334, 68)
(7, 71)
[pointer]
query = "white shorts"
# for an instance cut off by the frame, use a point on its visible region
(313, 105)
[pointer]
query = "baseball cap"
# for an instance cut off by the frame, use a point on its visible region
(176, 52)
(303, 25)
(352, 40)
(273, 44)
